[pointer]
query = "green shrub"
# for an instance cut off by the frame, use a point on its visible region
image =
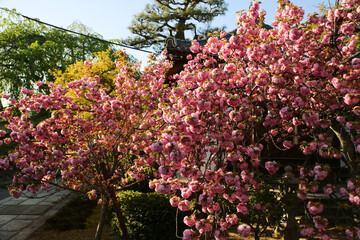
(147, 216)
(142, 186)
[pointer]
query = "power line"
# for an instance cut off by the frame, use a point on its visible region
(81, 34)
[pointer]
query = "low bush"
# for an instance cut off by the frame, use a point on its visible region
(147, 216)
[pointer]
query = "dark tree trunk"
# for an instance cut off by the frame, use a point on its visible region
(180, 29)
(101, 223)
(119, 214)
(257, 237)
(291, 230)
(257, 232)
(347, 147)
(113, 198)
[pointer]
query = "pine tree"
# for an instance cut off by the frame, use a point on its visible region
(165, 18)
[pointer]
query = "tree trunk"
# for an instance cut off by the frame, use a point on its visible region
(291, 230)
(180, 29)
(100, 226)
(119, 214)
(112, 192)
(347, 147)
(257, 232)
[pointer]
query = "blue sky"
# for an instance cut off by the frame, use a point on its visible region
(110, 18)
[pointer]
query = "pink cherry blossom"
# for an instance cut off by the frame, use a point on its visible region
(348, 3)
(349, 233)
(231, 67)
(190, 221)
(189, 234)
(315, 207)
(174, 201)
(232, 219)
(350, 99)
(195, 46)
(329, 189)
(343, 192)
(347, 28)
(242, 208)
(244, 230)
(306, 231)
(271, 166)
(325, 237)
(186, 193)
(288, 144)
(355, 199)
(320, 222)
(184, 205)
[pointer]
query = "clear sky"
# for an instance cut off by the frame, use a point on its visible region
(110, 18)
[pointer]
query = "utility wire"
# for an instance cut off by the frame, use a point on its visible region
(81, 34)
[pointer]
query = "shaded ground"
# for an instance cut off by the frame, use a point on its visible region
(86, 233)
(5, 179)
(76, 221)
(4, 193)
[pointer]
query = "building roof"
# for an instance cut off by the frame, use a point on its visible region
(178, 49)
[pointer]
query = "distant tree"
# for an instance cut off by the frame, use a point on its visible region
(166, 18)
(28, 50)
(324, 7)
(101, 64)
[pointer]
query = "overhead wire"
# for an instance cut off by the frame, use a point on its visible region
(74, 32)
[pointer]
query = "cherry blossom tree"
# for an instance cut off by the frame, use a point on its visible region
(91, 147)
(212, 137)
(293, 89)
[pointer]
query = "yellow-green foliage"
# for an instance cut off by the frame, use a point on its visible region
(105, 66)
(323, 8)
(102, 65)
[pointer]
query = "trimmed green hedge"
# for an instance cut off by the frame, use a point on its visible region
(147, 216)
